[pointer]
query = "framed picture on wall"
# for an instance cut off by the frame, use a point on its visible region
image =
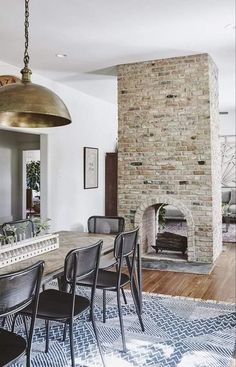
(90, 168)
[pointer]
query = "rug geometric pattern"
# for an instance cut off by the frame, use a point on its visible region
(179, 332)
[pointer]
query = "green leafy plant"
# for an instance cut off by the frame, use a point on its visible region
(3, 239)
(10, 236)
(41, 226)
(33, 175)
(10, 233)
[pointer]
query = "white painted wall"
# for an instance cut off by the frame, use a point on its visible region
(95, 125)
(8, 168)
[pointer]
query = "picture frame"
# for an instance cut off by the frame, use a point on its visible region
(90, 168)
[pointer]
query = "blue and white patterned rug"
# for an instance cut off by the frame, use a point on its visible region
(179, 332)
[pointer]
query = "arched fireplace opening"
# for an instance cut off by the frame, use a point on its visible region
(166, 231)
(171, 233)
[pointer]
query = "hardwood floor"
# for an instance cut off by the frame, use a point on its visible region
(219, 285)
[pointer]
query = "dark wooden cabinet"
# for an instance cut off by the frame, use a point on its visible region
(111, 184)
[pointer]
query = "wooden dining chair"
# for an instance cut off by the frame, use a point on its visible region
(106, 224)
(18, 290)
(125, 252)
(66, 306)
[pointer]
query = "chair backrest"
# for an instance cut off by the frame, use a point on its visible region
(21, 229)
(20, 288)
(125, 251)
(104, 224)
(82, 262)
(125, 243)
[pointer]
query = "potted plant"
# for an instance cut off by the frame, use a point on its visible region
(10, 235)
(32, 181)
(41, 227)
(3, 239)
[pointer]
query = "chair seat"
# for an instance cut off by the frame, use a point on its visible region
(54, 304)
(12, 346)
(106, 280)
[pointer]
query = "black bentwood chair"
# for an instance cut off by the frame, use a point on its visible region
(105, 224)
(125, 251)
(66, 307)
(22, 229)
(17, 290)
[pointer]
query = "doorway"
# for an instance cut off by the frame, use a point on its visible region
(31, 183)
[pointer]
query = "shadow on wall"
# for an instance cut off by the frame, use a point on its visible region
(77, 227)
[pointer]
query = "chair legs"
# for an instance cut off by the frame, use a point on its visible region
(28, 357)
(137, 306)
(64, 332)
(26, 329)
(104, 305)
(47, 325)
(28, 354)
(121, 321)
(13, 322)
(72, 340)
(47, 336)
(97, 339)
(124, 296)
(71, 336)
(119, 291)
(71, 343)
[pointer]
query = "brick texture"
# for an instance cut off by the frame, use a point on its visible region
(168, 147)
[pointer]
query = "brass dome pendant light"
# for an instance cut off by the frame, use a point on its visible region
(26, 104)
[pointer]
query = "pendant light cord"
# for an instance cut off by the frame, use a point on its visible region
(26, 72)
(26, 54)
(30, 105)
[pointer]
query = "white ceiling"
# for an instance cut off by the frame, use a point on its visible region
(99, 34)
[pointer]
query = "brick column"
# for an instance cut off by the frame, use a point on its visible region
(168, 144)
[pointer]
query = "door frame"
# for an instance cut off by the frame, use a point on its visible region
(44, 208)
